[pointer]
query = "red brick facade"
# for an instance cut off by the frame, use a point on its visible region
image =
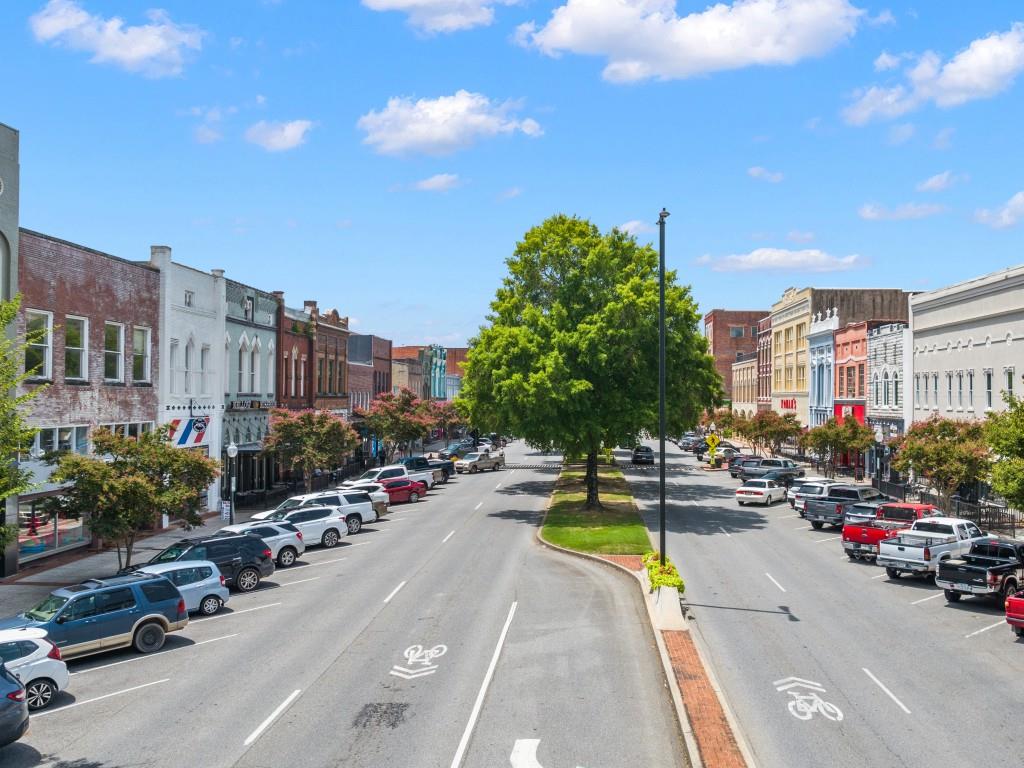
(729, 333)
(381, 365)
(294, 357)
(331, 370)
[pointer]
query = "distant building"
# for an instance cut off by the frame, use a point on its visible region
(369, 368)
(295, 354)
(764, 364)
(433, 359)
(330, 343)
(887, 357)
(821, 353)
(744, 384)
(731, 333)
(407, 374)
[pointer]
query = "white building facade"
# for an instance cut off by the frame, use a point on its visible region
(887, 392)
(821, 349)
(191, 392)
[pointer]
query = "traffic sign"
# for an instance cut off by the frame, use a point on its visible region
(712, 440)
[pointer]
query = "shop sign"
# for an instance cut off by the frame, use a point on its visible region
(788, 403)
(250, 405)
(189, 433)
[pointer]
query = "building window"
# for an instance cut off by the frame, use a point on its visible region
(753, 331)
(917, 390)
(113, 352)
(76, 348)
(935, 388)
(970, 390)
(885, 388)
(735, 331)
(271, 371)
(302, 379)
(39, 350)
(1009, 382)
(949, 391)
(173, 364)
(988, 389)
(140, 354)
(65, 439)
(896, 390)
(851, 381)
(295, 354)
(254, 369)
(129, 429)
(876, 394)
(243, 354)
(960, 389)
(189, 351)
(860, 380)
(190, 298)
(330, 375)
(249, 307)
(204, 368)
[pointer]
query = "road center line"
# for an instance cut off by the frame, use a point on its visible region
(153, 655)
(478, 506)
(725, 531)
(273, 716)
(830, 538)
(234, 613)
(99, 698)
(986, 629)
(464, 742)
(447, 537)
(775, 582)
(930, 597)
(394, 592)
(888, 693)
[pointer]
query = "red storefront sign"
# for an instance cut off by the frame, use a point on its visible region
(842, 412)
(788, 403)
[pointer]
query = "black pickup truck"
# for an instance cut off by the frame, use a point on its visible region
(423, 464)
(992, 568)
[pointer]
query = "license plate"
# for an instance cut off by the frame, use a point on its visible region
(855, 546)
(963, 587)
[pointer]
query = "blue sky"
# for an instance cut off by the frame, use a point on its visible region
(383, 156)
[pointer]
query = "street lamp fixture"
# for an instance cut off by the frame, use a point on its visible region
(661, 382)
(232, 453)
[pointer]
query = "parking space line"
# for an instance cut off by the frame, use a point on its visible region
(782, 588)
(930, 597)
(830, 538)
(725, 531)
(801, 527)
(786, 517)
(273, 716)
(986, 629)
(152, 655)
(879, 576)
(322, 562)
(234, 613)
(300, 581)
(478, 506)
(98, 698)
(888, 693)
(447, 537)
(394, 592)
(497, 486)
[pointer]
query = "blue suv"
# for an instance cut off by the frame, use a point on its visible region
(98, 615)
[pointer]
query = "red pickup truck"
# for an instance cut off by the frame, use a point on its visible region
(1015, 612)
(860, 540)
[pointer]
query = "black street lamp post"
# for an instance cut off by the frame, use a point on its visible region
(661, 381)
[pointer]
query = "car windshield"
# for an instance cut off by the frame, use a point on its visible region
(47, 609)
(278, 515)
(172, 553)
(288, 504)
(472, 456)
(369, 474)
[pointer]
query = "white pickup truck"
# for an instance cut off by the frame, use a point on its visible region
(390, 472)
(480, 460)
(928, 541)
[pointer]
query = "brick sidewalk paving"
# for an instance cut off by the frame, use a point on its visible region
(715, 739)
(632, 562)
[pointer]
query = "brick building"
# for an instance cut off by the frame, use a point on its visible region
(295, 333)
(407, 374)
(99, 357)
(731, 333)
(382, 373)
(369, 368)
(330, 343)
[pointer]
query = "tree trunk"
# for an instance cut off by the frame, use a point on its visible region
(129, 545)
(307, 477)
(593, 500)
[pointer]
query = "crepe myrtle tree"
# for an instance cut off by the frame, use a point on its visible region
(568, 359)
(309, 440)
(398, 418)
(946, 452)
(1004, 433)
(833, 439)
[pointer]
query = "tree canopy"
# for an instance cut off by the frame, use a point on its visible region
(569, 356)
(946, 452)
(1005, 435)
(832, 439)
(309, 440)
(398, 418)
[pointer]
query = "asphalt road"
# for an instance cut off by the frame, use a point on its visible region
(503, 649)
(917, 682)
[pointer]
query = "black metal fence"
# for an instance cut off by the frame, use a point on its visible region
(988, 515)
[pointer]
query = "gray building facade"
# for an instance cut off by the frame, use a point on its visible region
(9, 194)
(887, 390)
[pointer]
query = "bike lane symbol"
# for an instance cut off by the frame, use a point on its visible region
(806, 701)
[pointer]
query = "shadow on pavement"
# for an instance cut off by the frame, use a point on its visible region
(527, 488)
(531, 517)
(782, 611)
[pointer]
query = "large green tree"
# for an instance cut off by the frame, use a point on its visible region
(946, 452)
(398, 418)
(309, 440)
(569, 357)
(1005, 435)
(128, 483)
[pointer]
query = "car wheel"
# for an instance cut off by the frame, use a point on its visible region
(816, 524)
(330, 538)
(287, 557)
(892, 573)
(355, 523)
(1019, 631)
(474, 469)
(951, 596)
(39, 693)
(149, 638)
(853, 556)
(247, 580)
(742, 503)
(210, 605)
(1009, 590)
(414, 497)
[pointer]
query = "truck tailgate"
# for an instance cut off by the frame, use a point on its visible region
(960, 572)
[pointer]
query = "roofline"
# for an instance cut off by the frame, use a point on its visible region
(51, 238)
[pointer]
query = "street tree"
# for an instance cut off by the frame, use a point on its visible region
(15, 434)
(398, 418)
(768, 431)
(309, 440)
(568, 359)
(946, 452)
(1004, 433)
(446, 416)
(128, 483)
(831, 440)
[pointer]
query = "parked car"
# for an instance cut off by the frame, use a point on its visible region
(318, 499)
(861, 512)
(766, 492)
(284, 539)
(13, 708)
(401, 490)
(643, 454)
(760, 467)
(379, 498)
(358, 506)
(1014, 607)
(794, 487)
(929, 541)
(862, 537)
(36, 662)
(812, 489)
(993, 568)
(456, 451)
(422, 464)
(736, 461)
(131, 610)
(478, 462)
(322, 526)
(830, 509)
(243, 559)
(784, 477)
(389, 472)
(199, 581)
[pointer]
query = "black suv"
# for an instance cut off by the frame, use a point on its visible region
(243, 559)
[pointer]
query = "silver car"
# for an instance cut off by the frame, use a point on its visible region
(284, 539)
(199, 581)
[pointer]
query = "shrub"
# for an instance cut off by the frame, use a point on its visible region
(666, 576)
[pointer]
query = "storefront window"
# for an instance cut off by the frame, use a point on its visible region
(41, 533)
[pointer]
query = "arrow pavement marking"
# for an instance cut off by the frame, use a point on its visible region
(796, 682)
(412, 674)
(524, 754)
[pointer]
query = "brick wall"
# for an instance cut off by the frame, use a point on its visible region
(360, 385)
(724, 346)
(381, 365)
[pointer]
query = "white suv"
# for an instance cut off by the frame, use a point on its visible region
(36, 662)
(356, 504)
(284, 539)
(318, 525)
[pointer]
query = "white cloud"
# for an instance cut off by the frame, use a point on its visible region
(940, 182)
(886, 61)
(443, 125)
(1006, 215)
(511, 192)
(156, 49)
(797, 236)
(813, 123)
(901, 134)
(636, 227)
(987, 67)
(646, 38)
(944, 139)
(276, 137)
(206, 134)
(757, 172)
(782, 259)
(875, 212)
(882, 19)
(442, 15)
(441, 182)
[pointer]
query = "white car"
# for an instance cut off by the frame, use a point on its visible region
(318, 499)
(354, 500)
(284, 539)
(378, 497)
(36, 662)
(766, 492)
(318, 525)
(199, 581)
(791, 491)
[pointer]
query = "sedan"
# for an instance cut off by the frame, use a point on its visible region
(402, 489)
(643, 454)
(284, 539)
(36, 662)
(766, 492)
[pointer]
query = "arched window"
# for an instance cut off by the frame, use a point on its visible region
(243, 359)
(295, 354)
(271, 370)
(190, 350)
(896, 390)
(254, 367)
(885, 389)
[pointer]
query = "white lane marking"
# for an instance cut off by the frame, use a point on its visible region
(234, 613)
(830, 538)
(478, 506)
(511, 473)
(787, 517)
(775, 582)
(394, 592)
(464, 742)
(273, 716)
(524, 754)
(152, 655)
(322, 562)
(497, 486)
(725, 531)
(879, 576)
(986, 629)
(99, 698)
(364, 543)
(447, 537)
(800, 527)
(300, 581)
(930, 597)
(888, 693)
